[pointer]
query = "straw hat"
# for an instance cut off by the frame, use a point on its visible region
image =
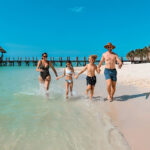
(109, 45)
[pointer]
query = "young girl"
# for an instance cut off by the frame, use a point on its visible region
(91, 78)
(68, 72)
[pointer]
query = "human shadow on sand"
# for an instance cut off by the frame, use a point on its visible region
(129, 97)
(97, 98)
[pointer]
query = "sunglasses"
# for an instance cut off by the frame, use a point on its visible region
(45, 56)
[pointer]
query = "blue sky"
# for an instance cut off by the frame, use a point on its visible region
(73, 27)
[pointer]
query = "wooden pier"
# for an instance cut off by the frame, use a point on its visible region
(27, 61)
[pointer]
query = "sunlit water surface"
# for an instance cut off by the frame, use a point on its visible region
(30, 120)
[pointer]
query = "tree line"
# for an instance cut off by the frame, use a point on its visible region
(139, 53)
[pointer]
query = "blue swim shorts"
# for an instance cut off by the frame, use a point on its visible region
(110, 74)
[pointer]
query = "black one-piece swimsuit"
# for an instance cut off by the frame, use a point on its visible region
(45, 72)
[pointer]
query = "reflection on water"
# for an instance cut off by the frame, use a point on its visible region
(30, 120)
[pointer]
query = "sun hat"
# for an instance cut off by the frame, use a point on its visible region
(109, 45)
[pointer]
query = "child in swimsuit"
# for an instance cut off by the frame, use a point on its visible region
(68, 72)
(91, 78)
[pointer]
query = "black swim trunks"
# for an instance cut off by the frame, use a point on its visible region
(91, 80)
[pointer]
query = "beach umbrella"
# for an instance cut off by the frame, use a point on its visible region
(2, 50)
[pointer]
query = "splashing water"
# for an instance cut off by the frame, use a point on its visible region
(30, 120)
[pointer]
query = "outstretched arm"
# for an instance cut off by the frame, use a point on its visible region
(83, 70)
(101, 62)
(53, 69)
(57, 78)
(119, 62)
(97, 69)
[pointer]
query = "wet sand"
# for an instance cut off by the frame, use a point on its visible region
(130, 110)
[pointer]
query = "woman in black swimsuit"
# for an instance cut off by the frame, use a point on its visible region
(43, 68)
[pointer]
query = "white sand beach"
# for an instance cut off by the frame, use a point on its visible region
(130, 111)
(135, 74)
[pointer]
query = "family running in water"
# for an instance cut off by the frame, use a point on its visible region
(110, 72)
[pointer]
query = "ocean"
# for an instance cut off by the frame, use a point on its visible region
(30, 120)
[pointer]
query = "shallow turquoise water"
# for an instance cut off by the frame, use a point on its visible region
(30, 120)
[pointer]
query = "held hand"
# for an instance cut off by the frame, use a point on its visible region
(76, 77)
(119, 66)
(57, 78)
(41, 70)
(98, 70)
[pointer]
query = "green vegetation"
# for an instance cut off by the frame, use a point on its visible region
(139, 53)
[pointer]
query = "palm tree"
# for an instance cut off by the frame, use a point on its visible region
(146, 52)
(2, 51)
(131, 55)
(139, 53)
(128, 56)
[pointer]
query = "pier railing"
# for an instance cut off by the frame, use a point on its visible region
(32, 61)
(27, 61)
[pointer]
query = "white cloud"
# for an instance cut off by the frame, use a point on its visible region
(77, 9)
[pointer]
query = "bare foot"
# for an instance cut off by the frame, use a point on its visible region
(112, 98)
(109, 98)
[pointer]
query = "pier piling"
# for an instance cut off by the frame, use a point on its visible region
(56, 62)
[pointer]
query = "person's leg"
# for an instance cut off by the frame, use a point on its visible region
(87, 89)
(71, 87)
(114, 81)
(47, 82)
(41, 80)
(109, 84)
(67, 89)
(113, 89)
(92, 92)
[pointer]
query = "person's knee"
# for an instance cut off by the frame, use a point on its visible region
(48, 78)
(108, 85)
(67, 90)
(88, 87)
(92, 88)
(71, 86)
(114, 86)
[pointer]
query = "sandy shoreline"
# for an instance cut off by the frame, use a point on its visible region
(130, 111)
(137, 75)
